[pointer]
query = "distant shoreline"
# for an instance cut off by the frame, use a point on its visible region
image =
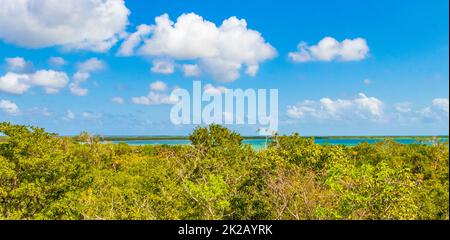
(143, 138)
(131, 138)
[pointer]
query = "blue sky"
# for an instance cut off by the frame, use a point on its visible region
(365, 68)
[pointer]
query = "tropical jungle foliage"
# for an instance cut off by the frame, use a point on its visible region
(44, 176)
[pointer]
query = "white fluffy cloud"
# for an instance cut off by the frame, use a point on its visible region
(14, 83)
(133, 40)
(158, 86)
(210, 89)
(91, 65)
(94, 25)
(16, 63)
(362, 107)
(371, 108)
(57, 61)
(51, 81)
(221, 50)
(329, 49)
(9, 107)
(440, 104)
(163, 66)
(118, 100)
(371, 105)
(156, 95)
(77, 79)
(83, 74)
(302, 109)
(436, 111)
(191, 70)
(335, 108)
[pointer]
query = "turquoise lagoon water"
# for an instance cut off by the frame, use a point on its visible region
(261, 143)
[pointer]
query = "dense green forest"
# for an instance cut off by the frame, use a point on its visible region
(44, 176)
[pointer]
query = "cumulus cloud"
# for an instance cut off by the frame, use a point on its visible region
(221, 51)
(74, 24)
(163, 66)
(91, 65)
(57, 61)
(77, 79)
(222, 70)
(133, 40)
(302, 109)
(440, 104)
(118, 100)
(9, 107)
(156, 95)
(51, 81)
(437, 111)
(371, 105)
(15, 63)
(335, 108)
(159, 86)
(191, 70)
(252, 70)
(210, 89)
(341, 109)
(18, 65)
(83, 74)
(14, 83)
(371, 108)
(329, 49)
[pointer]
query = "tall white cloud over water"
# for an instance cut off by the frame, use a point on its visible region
(94, 25)
(222, 51)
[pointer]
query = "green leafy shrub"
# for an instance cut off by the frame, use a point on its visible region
(44, 176)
